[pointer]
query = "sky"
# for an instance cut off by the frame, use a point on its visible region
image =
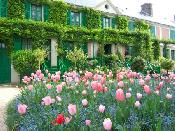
(162, 9)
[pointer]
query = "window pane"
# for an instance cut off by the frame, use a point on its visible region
(172, 54)
(26, 44)
(36, 12)
(75, 18)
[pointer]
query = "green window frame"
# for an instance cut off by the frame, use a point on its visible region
(75, 18)
(37, 12)
(26, 44)
(107, 22)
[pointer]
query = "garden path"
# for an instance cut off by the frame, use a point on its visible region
(7, 93)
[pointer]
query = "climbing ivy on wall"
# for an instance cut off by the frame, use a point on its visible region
(58, 12)
(141, 25)
(56, 27)
(156, 49)
(122, 22)
(93, 19)
(16, 9)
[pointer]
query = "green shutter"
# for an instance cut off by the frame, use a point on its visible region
(153, 32)
(27, 9)
(69, 17)
(102, 22)
(113, 23)
(172, 34)
(131, 26)
(167, 53)
(17, 43)
(83, 19)
(84, 48)
(3, 8)
(46, 12)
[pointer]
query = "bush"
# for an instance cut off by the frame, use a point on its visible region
(24, 61)
(66, 105)
(138, 64)
(77, 57)
(167, 64)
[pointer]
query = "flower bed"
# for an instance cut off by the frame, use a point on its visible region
(93, 101)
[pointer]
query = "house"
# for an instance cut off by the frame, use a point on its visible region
(28, 24)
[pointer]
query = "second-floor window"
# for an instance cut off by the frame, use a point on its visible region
(107, 22)
(75, 18)
(36, 12)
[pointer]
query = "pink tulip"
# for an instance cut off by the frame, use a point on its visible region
(121, 84)
(30, 87)
(141, 82)
(147, 89)
(84, 92)
(49, 86)
(128, 95)
(47, 100)
(169, 96)
(101, 108)
(120, 95)
(147, 78)
(161, 84)
(131, 81)
(110, 74)
(59, 88)
(139, 96)
(72, 109)
(107, 124)
(58, 98)
(84, 102)
(88, 122)
(103, 80)
(105, 89)
(22, 109)
(137, 104)
(38, 72)
(67, 120)
(95, 77)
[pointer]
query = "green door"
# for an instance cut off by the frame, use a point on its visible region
(5, 69)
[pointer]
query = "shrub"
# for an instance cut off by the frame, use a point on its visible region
(167, 64)
(77, 57)
(40, 55)
(24, 61)
(138, 64)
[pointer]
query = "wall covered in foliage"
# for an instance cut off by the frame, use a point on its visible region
(56, 26)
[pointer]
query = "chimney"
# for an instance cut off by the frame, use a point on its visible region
(146, 9)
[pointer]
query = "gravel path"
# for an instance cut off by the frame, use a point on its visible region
(6, 94)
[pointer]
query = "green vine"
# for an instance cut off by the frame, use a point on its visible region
(122, 22)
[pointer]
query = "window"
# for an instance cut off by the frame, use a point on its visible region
(36, 12)
(172, 54)
(2, 46)
(107, 49)
(75, 19)
(26, 44)
(128, 50)
(153, 31)
(131, 26)
(106, 22)
(172, 34)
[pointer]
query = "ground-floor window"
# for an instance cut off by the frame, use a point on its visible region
(26, 44)
(172, 54)
(128, 50)
(107, 49)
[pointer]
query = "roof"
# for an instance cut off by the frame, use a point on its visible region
(125, 9)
